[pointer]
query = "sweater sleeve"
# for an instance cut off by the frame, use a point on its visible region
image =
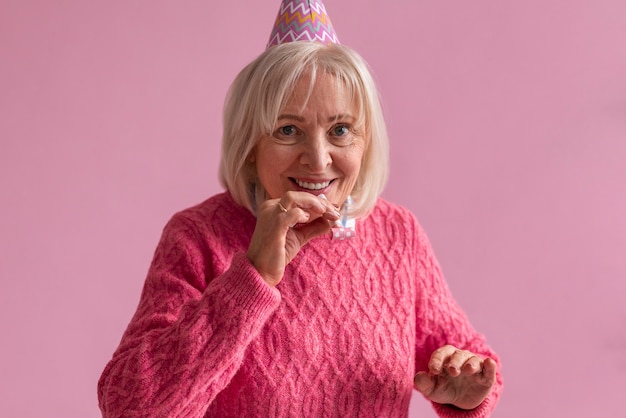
(189, 334)
(441, 321)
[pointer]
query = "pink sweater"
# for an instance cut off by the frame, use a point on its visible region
(341, 336)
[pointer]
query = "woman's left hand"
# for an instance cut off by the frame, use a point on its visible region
(457, 377)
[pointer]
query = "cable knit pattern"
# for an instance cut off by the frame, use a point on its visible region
(341, 336)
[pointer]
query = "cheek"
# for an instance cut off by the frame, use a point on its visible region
(351, 162)
(270, 164)
(262, 158)
(275, 162)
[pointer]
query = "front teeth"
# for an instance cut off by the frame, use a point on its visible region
(312, 186)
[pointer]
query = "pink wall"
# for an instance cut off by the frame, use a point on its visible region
(508, 126)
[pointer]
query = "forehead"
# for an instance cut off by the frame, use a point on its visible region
(325, 91)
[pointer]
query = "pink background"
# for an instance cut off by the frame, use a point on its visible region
(508, 129)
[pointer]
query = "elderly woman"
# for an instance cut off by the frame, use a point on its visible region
(250, 309)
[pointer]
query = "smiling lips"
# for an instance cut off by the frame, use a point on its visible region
(312, 186)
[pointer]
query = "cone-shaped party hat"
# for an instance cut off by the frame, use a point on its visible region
(302, 20)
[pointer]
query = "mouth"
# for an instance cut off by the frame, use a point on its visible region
(312, 186)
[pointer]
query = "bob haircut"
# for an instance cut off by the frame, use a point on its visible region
(262, 89)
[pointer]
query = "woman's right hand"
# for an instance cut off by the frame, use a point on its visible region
(283, 226)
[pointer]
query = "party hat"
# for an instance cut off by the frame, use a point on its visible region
(302, 20)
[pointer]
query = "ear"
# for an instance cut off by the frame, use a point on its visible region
(250, 166)
(252, 156)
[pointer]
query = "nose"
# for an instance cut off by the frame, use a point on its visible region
(316, 152)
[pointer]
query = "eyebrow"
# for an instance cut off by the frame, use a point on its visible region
(333, 118)
(290, 116)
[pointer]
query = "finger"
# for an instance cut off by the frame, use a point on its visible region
(281, 207)
(288, 215)
(440, 357)
(311, 230)
(331, 215)
(472, 365)
(315, 205)
(456, 362)
(490, 368)
(297, 216)
(332, 210)
(424, 383)
(303, 200)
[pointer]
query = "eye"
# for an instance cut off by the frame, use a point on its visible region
(288, 130)
(288, 134)
(340, 130)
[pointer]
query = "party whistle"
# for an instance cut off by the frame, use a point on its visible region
(345, 227)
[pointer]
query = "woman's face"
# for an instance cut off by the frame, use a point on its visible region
(313, 148)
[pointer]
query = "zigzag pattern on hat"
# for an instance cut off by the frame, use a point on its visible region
(302, 20)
